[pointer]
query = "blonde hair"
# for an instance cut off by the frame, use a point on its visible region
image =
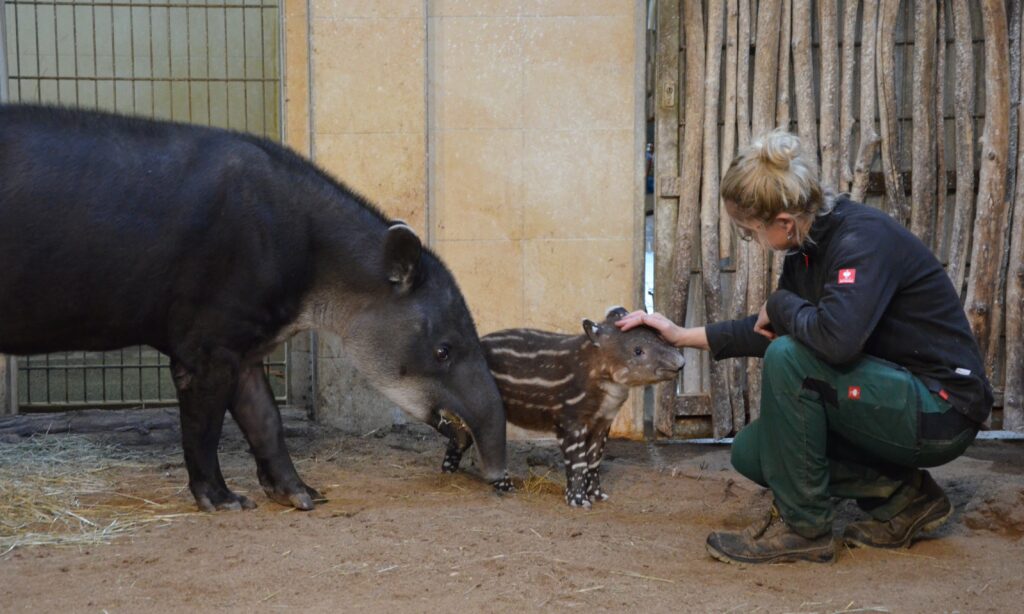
(773, 175)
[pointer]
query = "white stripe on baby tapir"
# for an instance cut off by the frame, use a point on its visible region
(579, 465)
(576, 399)
(578, 444)
(519, 403)
(534, 354)
(532, 381)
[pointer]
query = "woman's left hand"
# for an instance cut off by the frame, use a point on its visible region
(764, 325)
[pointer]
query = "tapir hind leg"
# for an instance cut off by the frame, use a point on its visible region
(204, 396)
(257, 415)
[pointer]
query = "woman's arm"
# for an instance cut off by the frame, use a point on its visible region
(678, 336)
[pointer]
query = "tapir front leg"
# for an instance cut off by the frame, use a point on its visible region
(257, 415)
(573, 439)
(203, 397)
(595, 452)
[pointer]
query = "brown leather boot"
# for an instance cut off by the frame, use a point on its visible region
(927, 512)
(770, 540)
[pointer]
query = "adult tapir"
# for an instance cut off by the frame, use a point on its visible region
(213, 247)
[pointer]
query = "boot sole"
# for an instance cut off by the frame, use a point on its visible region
(782, 558)
(931, 525)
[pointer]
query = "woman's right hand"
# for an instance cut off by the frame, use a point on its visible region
(668, 329)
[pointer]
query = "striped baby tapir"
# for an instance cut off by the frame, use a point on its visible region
(572, 386)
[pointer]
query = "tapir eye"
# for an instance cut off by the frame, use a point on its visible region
(442, 353)
(638, 351)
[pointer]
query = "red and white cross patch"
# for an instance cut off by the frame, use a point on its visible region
(847, 276)
(853, 393)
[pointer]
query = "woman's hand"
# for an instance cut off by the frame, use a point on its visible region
(669, 330)
(763, 326)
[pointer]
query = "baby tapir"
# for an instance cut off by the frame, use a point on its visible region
(573, 386)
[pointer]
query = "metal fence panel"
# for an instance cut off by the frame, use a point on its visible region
(212, 63)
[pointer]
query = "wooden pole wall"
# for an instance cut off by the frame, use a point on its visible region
(864, 84)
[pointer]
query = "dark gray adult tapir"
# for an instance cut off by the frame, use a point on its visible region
(213, 247)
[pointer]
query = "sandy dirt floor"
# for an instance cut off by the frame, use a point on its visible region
(399, 536)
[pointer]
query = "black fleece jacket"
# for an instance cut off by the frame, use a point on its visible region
(864, 284)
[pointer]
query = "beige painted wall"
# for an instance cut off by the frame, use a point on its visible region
(506, 132)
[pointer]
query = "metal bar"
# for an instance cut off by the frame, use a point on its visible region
(245, 69)
(131, 53)
(209, 98)
(74, 39)
(188, 58)
(3, 64)
(138, 79)
(35, 21)
(150, 5)
(227, 88)
(56, 50)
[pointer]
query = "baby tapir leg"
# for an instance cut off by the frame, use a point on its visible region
(459, 440)
(573, 439)
(595, 452)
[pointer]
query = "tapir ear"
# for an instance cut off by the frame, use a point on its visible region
(593, 331)
(615, 313)
(402, 249)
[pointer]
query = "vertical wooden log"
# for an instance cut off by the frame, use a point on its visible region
(782, 113)
(738, 366)
(995, 348)
(743, 76)
(666, 170)
(941, 237)
(846, 118)
(1013, 392)
(725, 233)
(922, 194)
(991, 204)
(869, 138)
(769, 14)
(888, 120)
(803, 74)
(828, 132)
(721, 410)
(963, 210)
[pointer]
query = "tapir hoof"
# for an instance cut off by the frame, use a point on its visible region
(503, 485)
(577, 499)
(597, 495)
(450, 464)
(305, 499)
(223, 500)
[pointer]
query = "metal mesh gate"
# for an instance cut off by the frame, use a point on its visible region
(193, 61)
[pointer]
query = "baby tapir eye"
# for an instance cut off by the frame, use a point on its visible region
(443, 352)
(638, 351)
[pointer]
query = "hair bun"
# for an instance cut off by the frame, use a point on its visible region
(777, 149)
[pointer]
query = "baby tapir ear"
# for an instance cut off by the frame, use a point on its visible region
(402, 249)
(594, 331)
(615, 313)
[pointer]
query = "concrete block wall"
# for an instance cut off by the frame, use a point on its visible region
(505, 132)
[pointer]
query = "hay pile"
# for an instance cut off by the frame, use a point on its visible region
(61, 490)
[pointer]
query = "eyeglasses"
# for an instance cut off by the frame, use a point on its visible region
(745, 234)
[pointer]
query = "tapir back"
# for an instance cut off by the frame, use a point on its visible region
(111, 228)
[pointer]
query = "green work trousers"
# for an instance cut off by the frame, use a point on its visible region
(850, 432)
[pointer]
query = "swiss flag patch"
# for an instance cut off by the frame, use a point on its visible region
(853, 393)
(847, 276)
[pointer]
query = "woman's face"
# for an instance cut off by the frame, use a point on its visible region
(779, 234)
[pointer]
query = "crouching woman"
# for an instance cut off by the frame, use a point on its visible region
(870, 369)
